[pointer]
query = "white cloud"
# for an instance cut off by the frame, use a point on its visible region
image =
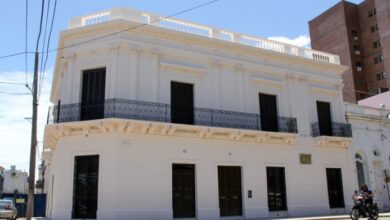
(301, 41)
(15, 131)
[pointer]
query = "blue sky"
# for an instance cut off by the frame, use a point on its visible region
(285, 20)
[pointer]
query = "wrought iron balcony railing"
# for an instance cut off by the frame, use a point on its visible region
(335, 129)
(140, 110)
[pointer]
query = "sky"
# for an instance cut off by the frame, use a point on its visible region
(282, 20)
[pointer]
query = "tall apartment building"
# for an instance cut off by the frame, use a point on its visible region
(173, 119)
(360, 35)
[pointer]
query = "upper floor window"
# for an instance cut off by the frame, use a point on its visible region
(355, 35)
(374, 28)
(378, 59)
(356, 49)
(359, 65)
(324, 118)
(268, 112)
(382, 89)
(182, 103)
(381, 76)
(372, 12)
(376, 44)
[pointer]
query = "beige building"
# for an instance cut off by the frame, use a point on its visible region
(360, 35)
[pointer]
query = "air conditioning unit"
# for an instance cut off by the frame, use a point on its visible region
(359, 68)
(357, 52)
(355, 38)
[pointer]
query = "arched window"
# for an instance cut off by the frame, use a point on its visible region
(360, 169)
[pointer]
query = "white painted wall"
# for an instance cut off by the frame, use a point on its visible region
(371, 132)
(135, 169)
(135, 174)
(141, 67)
(15, 180)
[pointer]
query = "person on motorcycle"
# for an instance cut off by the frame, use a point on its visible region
(368, 196)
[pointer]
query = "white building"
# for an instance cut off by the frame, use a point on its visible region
(173, 119)
(371, 148)
(15, 181)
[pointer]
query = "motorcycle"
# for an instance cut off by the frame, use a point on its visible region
(360, 210)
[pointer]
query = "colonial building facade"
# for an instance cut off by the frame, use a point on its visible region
(171, 119)
(370, 148)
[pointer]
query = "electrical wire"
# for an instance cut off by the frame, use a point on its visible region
(44, 39)
(47, 47)
(12, 83)
(14, 93)
(26, 43)
(112, 34)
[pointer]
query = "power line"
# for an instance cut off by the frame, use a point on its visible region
(26, 42)
(12, 83)
(15, 93)
(15, 54)
(115, 33)
(47, 48)
(44, 38)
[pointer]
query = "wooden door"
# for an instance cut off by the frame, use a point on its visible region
(324, 118)
(335, 188)
(183, 190)
(230, 194)
(268, 112)
(93, 94)
(182, 103)
(85, 187)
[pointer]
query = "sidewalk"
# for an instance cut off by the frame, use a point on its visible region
(331, 217)
(327, 217)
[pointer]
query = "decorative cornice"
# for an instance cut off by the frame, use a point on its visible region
(54, 132)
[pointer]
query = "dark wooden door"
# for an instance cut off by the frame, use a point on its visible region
(93, 94)
(335, 187)
(268, 112)
(276, 186)
(85, 187)
(183, 190)
(230, 194)
(182, 103)
(324, 118)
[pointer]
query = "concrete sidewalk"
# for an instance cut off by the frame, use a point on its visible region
(330, 217)
(327, 217)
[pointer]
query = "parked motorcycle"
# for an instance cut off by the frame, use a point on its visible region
(360, 210)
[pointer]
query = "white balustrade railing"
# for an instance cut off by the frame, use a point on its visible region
(201, 30)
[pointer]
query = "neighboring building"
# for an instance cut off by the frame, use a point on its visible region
(15, 181)
(359, 34)
(379, 101)
(1, 179)
(175, 119)
(371, 148)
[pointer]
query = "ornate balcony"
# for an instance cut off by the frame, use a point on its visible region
(335, 130)
(148, 111)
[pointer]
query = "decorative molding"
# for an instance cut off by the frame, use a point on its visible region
(318, 89)
(327, 141)
(185, 67)
(54, 132)
(268, 81)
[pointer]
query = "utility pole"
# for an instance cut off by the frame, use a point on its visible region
(31, 179)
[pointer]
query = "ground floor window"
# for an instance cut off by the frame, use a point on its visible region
(183, 190)
(276, 186)
(85, 187)
(335, 188)
(230, 195)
